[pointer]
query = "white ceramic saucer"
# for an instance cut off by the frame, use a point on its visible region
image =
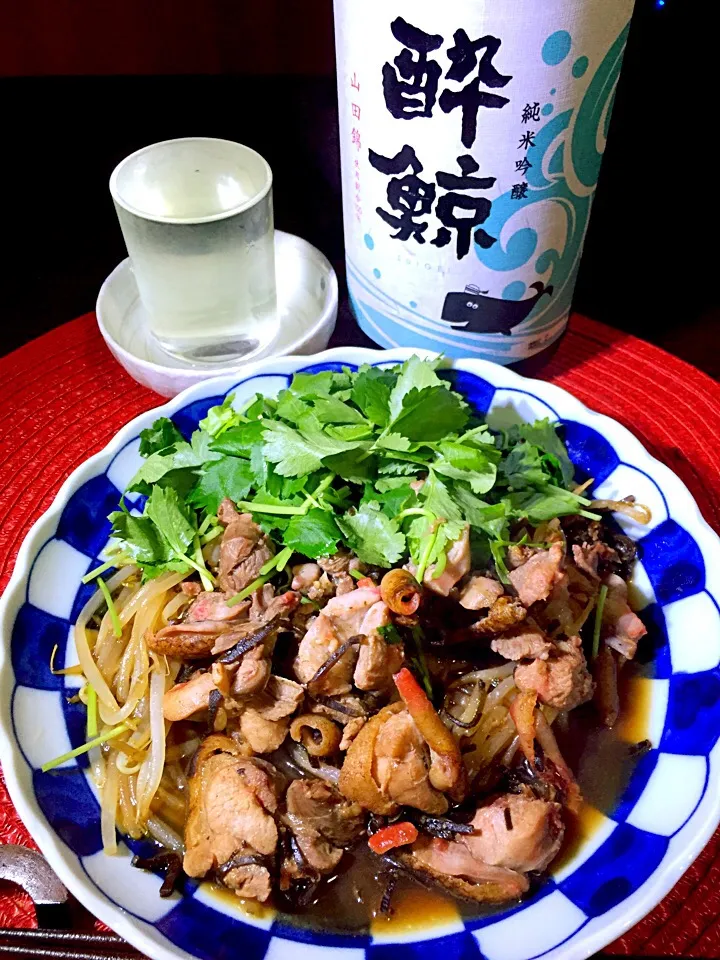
(307, 293)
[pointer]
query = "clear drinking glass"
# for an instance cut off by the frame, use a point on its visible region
(197, 219)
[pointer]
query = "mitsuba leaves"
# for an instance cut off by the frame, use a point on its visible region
(415, 375)
(430, 414)
(543, 434)
(138, 538)
(523, 467)
(291, 407)
(180, 456)
(220, 418)
(374, 537)
(292, 454)
(352, 467)
(299, 452)
(489, 518)
(240, 440)
(315, 534)
(371, 393)
(464, 462)
(228, 477)
(172, 518)
(539, 506)
(333, 461)
(160, 436)
(334, 410)
(396, 499)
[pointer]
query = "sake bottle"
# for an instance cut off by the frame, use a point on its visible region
(472, 133)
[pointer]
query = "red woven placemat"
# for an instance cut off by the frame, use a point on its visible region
(62, 397)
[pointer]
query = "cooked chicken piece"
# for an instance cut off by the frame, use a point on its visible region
(517, 832)
(334, 580)
(351, 730)
(325, 809)
(563, 606)
(261, 734)
(251, 669)
(250, 881)
(518, 554)
(535, 578)
(252, 673)
(191, 588)
(342, 710)
(344, 583)
(210, 605)
(320, 642)
(243, 551)
(522, 643)
(340, 562)
(562, 681)
(261, 720)
(503, 615)
(186, 699)
(189, 641)
(320, 824)
(481, 593)
(340, 621)
(322, 589)
(232, 801)
(318, 854)
(377, 660)
(400, 768)
(588, 556)
(232, 634)
(195, 639)
(265, 717)
(447, 771)
(451, 865)
(305, 575)
(456, 566)
(513, 836)
(386, 765)
(265, 606)
(621, 627)
(280, 698)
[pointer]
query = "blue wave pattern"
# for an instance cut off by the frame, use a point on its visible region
(628, 857)
(564, 172)
(564, 166)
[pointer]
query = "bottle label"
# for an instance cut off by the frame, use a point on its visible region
(471, 139)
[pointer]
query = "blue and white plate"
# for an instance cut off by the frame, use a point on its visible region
(666, 815)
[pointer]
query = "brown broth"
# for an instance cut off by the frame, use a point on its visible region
(349, 901)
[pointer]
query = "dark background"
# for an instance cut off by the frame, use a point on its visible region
(82, 84)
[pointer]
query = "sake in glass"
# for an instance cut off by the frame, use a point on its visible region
(197, 219)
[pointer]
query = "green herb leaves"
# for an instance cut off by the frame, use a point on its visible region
(161, 435)
(421, 405)
(314, 534)
(386, 461)
(228, 477)
(371, 393)
(373, 536)
(164, 538)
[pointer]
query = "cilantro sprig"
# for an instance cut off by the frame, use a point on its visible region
(389, 462)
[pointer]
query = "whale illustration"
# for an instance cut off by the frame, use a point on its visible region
(474, 311)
